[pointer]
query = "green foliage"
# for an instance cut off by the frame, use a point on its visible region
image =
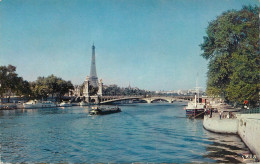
(114, 90)
(93, 90)
(11, 82)
(43, 87)
(232, 48)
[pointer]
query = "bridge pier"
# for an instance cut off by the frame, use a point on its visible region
(149, 101)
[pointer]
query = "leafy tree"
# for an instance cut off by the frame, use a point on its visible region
(39, 88)
(52, 84)
(114, 90)
(63, 87)
(43, 87)
(232, 48)
(12, 83)
(23, 88)
(93, 90)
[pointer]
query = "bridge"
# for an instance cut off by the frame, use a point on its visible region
(170, 99)
(99, 98)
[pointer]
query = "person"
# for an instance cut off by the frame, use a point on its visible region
(210, 113)
(230, 115)
(220, 113)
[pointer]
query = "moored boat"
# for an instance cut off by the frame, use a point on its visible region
(65, 104)
(38, 104)
(83, 103)
(103, 111)
(196, 108)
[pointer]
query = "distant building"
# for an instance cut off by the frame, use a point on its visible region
(179, 92)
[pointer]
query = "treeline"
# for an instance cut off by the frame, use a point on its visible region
(50, 86)
(43, 87)
(232, 49)
(114, 90)
(10, 82)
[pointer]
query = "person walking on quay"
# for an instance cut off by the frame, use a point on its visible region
(220, 113)
(210, 113)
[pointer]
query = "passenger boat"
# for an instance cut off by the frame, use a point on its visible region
(196, 108)
(103, 111)
(38, 104)
(65, 104)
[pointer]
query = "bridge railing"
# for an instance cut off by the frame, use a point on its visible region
(251, 111)
(109, 98)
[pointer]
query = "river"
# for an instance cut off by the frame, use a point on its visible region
(140, 133)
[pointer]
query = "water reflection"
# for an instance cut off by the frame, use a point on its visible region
(225, 148)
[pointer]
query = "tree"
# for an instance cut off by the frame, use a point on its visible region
(52, 84)
(114, 90)
(39, 88)
(232, 48)
(12, 83)
(23, 88)
(93, 90)
(43, 87)
(63, 87)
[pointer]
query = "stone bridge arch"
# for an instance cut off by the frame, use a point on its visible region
(152, 99)
(111, 99)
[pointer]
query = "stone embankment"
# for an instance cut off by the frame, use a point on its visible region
(249, 131)
(247, 126)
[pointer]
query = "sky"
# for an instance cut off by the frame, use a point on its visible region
(149, 44)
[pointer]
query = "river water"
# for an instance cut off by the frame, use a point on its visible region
(140, 133)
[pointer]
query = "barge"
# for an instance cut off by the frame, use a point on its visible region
(103, 111)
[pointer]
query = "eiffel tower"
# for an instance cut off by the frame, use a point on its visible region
(93, 79)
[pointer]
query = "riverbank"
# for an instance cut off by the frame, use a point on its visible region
(13, 106)
(247, 126)
(8, 106)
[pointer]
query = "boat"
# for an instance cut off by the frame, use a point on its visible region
(65, 104)
(103, 111)
(38, 104)
(196, 108)
(83, 103)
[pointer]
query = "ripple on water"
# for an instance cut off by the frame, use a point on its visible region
(140, 133)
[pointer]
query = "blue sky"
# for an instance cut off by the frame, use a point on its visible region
(151, 44)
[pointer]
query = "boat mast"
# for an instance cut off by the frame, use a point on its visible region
(197, 91)
(195, 99)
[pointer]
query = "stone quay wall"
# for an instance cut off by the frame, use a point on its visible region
(249, 131)
(247, 126)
